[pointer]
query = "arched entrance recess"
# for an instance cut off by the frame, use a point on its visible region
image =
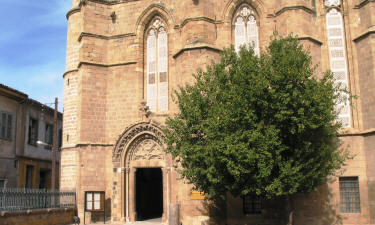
(140, 148)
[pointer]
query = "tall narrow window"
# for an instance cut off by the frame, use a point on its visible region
(3, 184)
(48, 136)
(157, 67)
(29, 176)
(246, 29)
(33, 131)
(349, 195)
(338, 62)
(6, 122)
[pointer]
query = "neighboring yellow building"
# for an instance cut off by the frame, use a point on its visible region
(24, 121)
(125, 54)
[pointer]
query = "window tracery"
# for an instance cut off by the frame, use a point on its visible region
(337, 56)
(332, 3)
(157, 67)
(246, 29)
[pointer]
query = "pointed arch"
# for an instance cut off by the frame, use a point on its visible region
(149, 14)
(233, 5)
(156, 70)
(245, 27)
(133, 135)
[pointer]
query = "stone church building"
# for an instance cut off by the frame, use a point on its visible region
(125, 58)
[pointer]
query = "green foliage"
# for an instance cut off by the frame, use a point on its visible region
(261, 125)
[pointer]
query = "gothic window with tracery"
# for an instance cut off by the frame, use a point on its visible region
(157, 67)
(338, 61)
(246, 29)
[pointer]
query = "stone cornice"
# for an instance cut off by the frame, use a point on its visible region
(111, 2)
(364, 34)
(309, 38)
(72, 11)
(104, 65)
(363, 3)
(70, 71)
(86, 34)
(105, 2)
(353, 132)
(201, 18)
(287, 8)
(85, 144)
(188, 48)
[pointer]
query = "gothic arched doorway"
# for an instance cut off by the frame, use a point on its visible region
(144, 178)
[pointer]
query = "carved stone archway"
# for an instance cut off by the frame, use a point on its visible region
(140, 146)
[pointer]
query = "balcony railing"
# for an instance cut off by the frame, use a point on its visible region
(15, 199)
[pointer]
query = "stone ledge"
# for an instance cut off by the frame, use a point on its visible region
(362, 36)
(288, 8)
(194, 47)
(202, 18)
(354, 132)
(104, 65)
(363, 3)
(112, 2)
(84, 144)
(72, 11)
(310, 39)
(70, 71)
(86, 34)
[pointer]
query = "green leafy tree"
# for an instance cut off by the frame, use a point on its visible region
(262, 125)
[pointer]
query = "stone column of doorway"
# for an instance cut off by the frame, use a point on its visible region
(126, 194)
(132, 193)
(165, 193)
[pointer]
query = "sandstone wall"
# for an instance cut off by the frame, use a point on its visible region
(106, 76)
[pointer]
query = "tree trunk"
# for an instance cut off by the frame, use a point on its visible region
(290, 210)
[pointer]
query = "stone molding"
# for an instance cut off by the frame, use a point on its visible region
(233, 5)
(148, 15)
(105, 2)
(72, 11)
(194, 19)
(111, 2)
(363, 3)
(104, 65)
(364, 35)
(128, 143)
(309, 38)
(188, 48)
(354, 132)
(70, 71)
(289, 8)
(86, 34)
(67, 147)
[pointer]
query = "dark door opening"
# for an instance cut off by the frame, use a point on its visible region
(149, 193)
(43, 179)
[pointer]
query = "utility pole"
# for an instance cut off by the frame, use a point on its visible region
(54, 147)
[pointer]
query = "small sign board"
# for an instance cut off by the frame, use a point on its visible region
(197, 195)
(95, 202)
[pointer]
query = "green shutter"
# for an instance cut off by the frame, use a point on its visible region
(9, 127)
(3, 124)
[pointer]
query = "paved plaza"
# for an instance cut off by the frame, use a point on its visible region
(156, 221)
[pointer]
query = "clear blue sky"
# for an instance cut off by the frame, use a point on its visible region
(32, 47)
